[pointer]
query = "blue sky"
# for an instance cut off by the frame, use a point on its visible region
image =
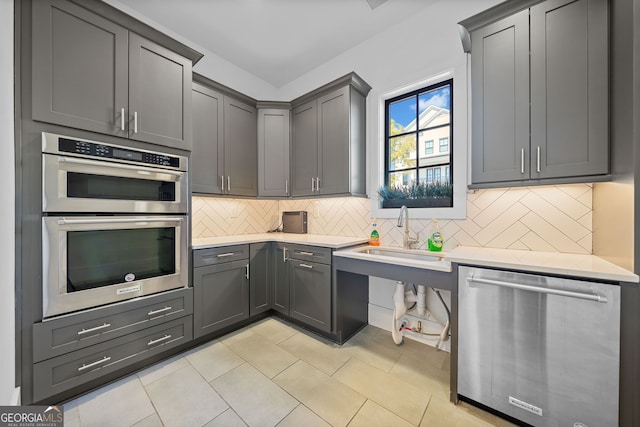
(404, 111)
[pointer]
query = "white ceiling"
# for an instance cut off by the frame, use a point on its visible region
(277, 40)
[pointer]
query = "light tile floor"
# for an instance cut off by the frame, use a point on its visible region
(272, 374)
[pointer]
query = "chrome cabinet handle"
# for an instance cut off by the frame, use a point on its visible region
(135, 122)
(225, 255)
(589, 297)
(164, 338)
(247, 273)
(313, 185)
(306, 266)
(222, 182)
(317, 183)
(522, 160)
(538, 159)
(162, 310)
(122, 118)
(96, 363)
(306, 253)
(228, 183)
(97, 328)
(286, 187)
(284, 255)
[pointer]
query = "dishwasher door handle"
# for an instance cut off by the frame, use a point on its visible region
(589, 297)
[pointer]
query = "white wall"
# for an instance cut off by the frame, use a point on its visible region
(8, 394)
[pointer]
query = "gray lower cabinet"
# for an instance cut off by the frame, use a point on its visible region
(72, 350)
(273, 151)
(280, 264)
(539, 94)
(224, 156)
(328, 147)
(310, 293)
(260, 278)
(90, 73)
(56, 375)
(221, 292)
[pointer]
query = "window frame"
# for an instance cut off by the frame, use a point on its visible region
(459, 72)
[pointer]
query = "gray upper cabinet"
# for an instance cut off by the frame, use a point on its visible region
(207, 140)
(159, 94)
(304, 152)
(500, 97)
(540, 94)
(328, 148)
(273, 151)
(240, 148)
(224, 157)
(90, 73)
(569, 88)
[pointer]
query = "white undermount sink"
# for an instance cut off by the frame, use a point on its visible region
(398, 256)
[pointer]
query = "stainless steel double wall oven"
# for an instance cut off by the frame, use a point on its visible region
(114, 223)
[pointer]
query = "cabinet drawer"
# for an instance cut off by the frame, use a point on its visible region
(310, 253)
(204, 257)
(64, 372)
(70, 333)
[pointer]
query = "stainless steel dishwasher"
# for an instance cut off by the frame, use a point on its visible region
(544, 350)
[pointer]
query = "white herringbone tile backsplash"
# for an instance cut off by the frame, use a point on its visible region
(551, 218)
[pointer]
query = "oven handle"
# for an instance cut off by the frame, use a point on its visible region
(140, 169)
(64, 221)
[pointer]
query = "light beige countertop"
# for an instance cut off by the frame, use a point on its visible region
(587, 266)
(335, 242)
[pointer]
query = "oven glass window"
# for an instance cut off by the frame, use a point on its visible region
(90, 186)
(105, 257)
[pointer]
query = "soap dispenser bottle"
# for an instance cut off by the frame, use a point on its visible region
(435, 240)
(374, 239)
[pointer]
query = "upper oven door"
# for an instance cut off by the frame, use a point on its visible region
(72, 184)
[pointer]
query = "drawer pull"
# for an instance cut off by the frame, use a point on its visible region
(226, 255)
(162, 310)
(97, 328)
(306, 265)
(306, 253)
(96, 363)
(164, 338)
(284, 254)
(247, 273)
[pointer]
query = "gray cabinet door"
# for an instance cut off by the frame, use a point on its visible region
(280, 263)
(273, 152)
(304, 150)
(260, 278)
(333, 143)
(207, 153)
(311, 294)
(80, 76)
(221, 296)
(500, 100)
(159, 94)
(240, 148)
(569, 88)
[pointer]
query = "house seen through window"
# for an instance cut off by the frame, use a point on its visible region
(418, 148)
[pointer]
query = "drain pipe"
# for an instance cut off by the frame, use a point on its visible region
(399, 310)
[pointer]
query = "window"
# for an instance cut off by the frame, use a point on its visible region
(415, 120)
(428, 147)
(444, 145)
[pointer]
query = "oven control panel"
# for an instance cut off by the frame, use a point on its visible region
(96, 150)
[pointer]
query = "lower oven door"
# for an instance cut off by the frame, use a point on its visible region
(91, 261)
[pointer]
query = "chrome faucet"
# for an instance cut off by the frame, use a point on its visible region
(407, 242)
